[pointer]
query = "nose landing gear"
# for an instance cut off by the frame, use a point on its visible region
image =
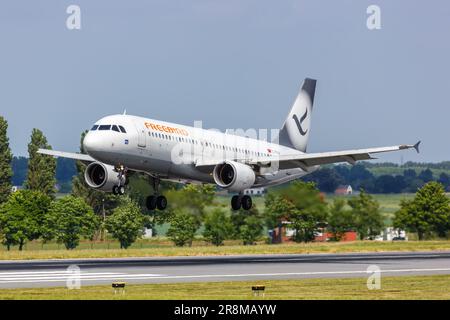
(122, 177)
(241, 201)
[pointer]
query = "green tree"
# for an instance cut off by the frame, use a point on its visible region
(251, 230)
(41, 168)
(429, 211)
(192, 199)
(218, 227)
(302, 205)
(340, 220)
(238, 219)
(5, 162)
(22, 217)
(366, 212)
(277, 209)
(182, 228)
(69, 219)
(126, 224)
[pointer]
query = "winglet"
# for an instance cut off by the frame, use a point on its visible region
(416, 146)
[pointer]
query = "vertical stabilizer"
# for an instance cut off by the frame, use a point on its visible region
(296, 127)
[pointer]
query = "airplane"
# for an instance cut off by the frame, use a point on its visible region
(120, 145)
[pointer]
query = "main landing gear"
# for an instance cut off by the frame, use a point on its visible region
(119, 189)
(241, 201)
(156, 201)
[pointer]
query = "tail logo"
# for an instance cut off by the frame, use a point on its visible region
(299, 123)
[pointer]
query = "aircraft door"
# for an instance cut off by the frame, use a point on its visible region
(141, 134)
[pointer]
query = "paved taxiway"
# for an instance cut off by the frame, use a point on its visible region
(46, 273)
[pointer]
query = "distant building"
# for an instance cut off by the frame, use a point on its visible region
(16, 188)
(390, 234)
(283, 233)
(255, 191)
(343, 190)
(327, 236)
(148, 233)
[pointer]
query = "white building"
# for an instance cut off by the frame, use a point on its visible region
(344, 190)
(16, 188)
(148, 233)
(389, 234)
(255, 191)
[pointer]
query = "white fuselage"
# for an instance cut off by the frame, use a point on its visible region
(172, 151)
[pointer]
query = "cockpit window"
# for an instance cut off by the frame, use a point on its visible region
(105, 127)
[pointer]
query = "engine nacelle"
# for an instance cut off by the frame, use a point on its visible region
(234, 176)
(101, 176)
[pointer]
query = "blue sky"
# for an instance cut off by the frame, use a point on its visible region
(231, 64)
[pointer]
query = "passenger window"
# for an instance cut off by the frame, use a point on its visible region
(94, 128)
(122, 129)
(114, 128)
(104, 127)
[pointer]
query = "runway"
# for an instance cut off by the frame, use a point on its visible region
(49, 273)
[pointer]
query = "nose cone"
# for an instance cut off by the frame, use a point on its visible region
(92, 143)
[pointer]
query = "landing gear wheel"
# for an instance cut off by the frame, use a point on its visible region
(151, 203)
(235, 202)
(118, 190)
(161, 202)
(246, 202)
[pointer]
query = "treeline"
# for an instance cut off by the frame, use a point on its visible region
(65, 171)
(407, 177)
(444, 165)
(360, 176)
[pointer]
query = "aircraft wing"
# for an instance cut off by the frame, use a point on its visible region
(70, 155)
(308, 160)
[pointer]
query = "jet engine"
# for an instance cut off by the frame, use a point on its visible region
(101, 176)
(234, 176)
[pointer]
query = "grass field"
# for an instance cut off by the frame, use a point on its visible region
(407, 287)
(200, 249)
